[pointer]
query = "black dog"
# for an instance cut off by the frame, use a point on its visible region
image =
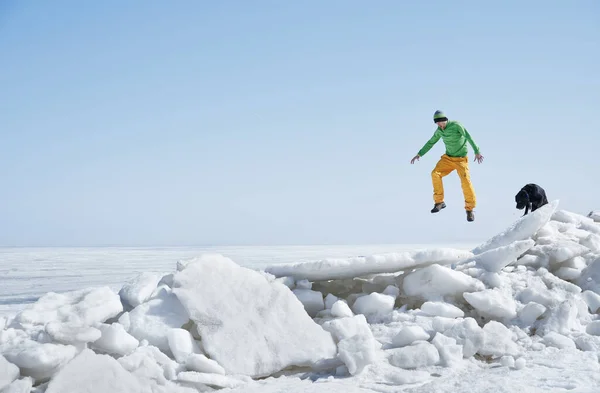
(531, 197)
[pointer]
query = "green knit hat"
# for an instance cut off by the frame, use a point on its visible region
(439, 116)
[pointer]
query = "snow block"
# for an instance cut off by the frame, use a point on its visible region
(496, 259)
(94, 374)
(435, 281)
(338, 268)
(419, 354)
(271, 328)
(524, 228)
(492, 303)
(8, 372)
(139, 289)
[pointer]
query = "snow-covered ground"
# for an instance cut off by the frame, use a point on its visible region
(518, 312)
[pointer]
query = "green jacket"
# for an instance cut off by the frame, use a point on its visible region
(455, 137)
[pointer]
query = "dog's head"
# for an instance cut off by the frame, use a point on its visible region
(522, 199)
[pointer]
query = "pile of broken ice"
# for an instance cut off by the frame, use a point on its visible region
(213, 324)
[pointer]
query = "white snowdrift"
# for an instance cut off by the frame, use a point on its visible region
(373, 322)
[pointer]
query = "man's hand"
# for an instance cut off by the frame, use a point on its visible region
(478, 158)
(415, 158)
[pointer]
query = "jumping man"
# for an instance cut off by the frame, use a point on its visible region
(455, 137)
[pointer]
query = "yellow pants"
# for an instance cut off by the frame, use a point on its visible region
(444, 167)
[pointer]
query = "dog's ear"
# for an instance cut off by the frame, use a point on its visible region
(522, 199)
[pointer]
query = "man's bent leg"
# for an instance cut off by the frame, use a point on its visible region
(467, 186)
(442, 168)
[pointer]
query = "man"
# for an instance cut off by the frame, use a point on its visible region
(455, 137)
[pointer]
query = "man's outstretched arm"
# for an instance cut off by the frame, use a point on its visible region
(472, 142)
(429, 144)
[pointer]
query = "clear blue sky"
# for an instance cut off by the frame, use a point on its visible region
(280, 122)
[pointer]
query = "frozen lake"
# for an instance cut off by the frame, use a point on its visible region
(28, 273)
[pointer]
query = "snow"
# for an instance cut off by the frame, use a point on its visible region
(409, 334)
(338, 268)
(312, 301)
(114, 340)
(340, 309)
(182, 344)
(442, 309)
(271, 328)
(518, 311)
(8, 372)
(418, 354)
(139, 290)
(492, 303)
(373, 304)
(436, 282)
(522, 229)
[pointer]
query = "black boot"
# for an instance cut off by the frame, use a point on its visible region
(437, 207)
(470, 215)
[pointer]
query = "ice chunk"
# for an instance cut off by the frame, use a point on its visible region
(468, 334)
(200, 363)
(530, 313)
(567, 273)
(420, 354)
(356, 344)
(374, 304)
(560, 251)
(590, 277)
(523, 228)
(335, 268)
(209, 382)
(520, 363)
(492, 303)
(592, 299)
(140, 288)
(534, 260)
(148, 363)
(72, 333)
(271, 327)
(115, 340)
(347, 327)
(182, 344)
(434, 282)
(592, 241)
(408, 335)
(450, 352)
(35, 359)
(287, 281)
(8, 372)
(593, 328)
(357, 352)
(557, 340)
(588, 343)
(561, 318)
(498, 341)
(392, 290)
(92, 373)
(507, 361)
(330, 299)
(341, 309)
(23, 385)
(69, 317)
(496, 259)
(570, 217)
(442, 309)
(153, 320)
(312, 300)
